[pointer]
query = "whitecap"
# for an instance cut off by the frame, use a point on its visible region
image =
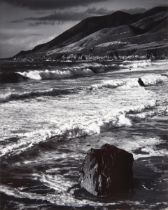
(107, 84)
(57, 74)
(153, 79)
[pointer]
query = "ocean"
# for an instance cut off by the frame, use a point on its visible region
(50, 118)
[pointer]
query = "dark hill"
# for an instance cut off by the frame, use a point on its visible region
(85, 28)
(119, 26)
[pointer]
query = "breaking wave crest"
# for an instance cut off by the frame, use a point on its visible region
(57, 74)
(33, 94)
(107, 84)
(153, 79)
(65, 132)
(147, 80)
(72, 130)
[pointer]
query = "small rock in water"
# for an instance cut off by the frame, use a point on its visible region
(141, 83)
(107, 170)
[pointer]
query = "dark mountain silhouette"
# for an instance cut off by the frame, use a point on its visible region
(86, 27)
(93, 31)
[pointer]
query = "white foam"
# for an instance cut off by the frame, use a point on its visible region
(143, 115)
(24, 95)
(63, 193)
(139, 64)
(66, 131)
(165, 74)
(63, 198)
(74, 129)
(130, 83)
(142, 107)
(153, 79)
(146, 145)
(144, 65)
(73, 116)
(57, 74)
(107, 84)
(31, 74)
(148, 80)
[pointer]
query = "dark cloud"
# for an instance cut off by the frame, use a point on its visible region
(135, 10)
(27, 23)
(50, 4)
(61, 16)
(66, 15)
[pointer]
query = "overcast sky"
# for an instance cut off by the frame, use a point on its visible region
(27, 23)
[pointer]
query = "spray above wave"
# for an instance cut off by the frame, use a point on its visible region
(33, 94)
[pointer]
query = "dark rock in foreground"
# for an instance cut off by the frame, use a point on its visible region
(107, 170)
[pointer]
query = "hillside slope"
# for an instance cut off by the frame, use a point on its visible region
(118, 30)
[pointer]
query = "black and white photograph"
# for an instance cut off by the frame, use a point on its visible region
(83, 104)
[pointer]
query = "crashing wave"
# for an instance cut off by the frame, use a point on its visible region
(82, 70)
(143, 65)
(33, 94)
(153, 79)
(65, 132)
(160, 62)
(165, 74)
(107, 84)
(147, 80)
(71, 130)
(57, 74)
(142, 107)
(137, 64)
(144, 81)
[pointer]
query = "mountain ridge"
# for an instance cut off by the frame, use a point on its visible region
(135, 24)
